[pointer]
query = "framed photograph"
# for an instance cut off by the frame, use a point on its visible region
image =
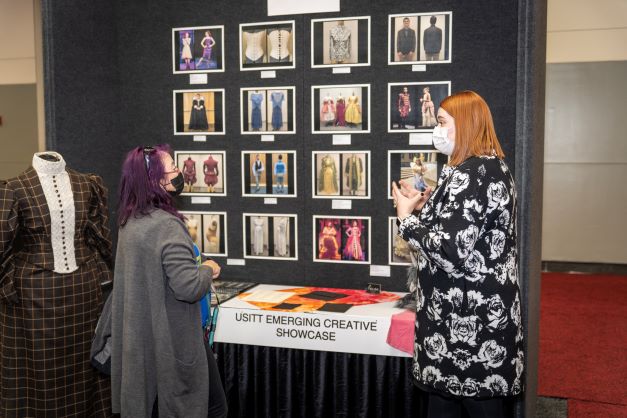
(204, 172)
(420, 169)
(198, 49)
(270, 236)
(420, 38)
(340, 175)
(341, 239)
(208, 231)
(340, 109)
(198, 112)
(267, 110)
(267, 45)
(413, 107)
(398, 248)
(341, 42)
(269, 174)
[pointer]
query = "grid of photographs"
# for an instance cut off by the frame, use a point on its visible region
(270, 236)
(269, 174)
(198, 49)
(341, 239)
(204, 172)
(208, 231)
(344, 175)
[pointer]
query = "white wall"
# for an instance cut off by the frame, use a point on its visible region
(17, 42)
(585, 167)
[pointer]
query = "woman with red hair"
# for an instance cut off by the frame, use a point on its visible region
(468, 351)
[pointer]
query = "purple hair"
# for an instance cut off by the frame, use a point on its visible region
(140, 188)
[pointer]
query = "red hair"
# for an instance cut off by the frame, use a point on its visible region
(474, 128)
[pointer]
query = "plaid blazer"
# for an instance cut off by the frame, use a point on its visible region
(48, 319)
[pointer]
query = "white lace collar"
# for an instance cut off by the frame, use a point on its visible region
(43, 166)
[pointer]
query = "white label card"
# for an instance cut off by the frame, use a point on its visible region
(268, 74)
(381, 271)
(267, 138)
(200, 138)
(341, 70)
(235, 262)
(341, 139)
(202, 200)
(198, 78)
(293, 7)
(419, 67)
(341, 204)
(270, 201)
(420, 139)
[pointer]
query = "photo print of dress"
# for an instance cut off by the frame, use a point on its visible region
(270, 236)
(340, 42)
(418, 169)
(341, 239)
(204, 172)
(413, 107)
(267, 45)
(267, 110)
(420, 38)
(198, 112)
(269, 174)
(341, 109)
(198, 49)
(344, 175)
(399, 252)
(208, 231)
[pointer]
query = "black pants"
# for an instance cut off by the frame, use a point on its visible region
(217, 398)
(442, 407)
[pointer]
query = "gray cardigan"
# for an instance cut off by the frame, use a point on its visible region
(156, 334)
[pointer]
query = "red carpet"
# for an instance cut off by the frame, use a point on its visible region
(583, 343)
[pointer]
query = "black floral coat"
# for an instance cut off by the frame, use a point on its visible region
(469, 340)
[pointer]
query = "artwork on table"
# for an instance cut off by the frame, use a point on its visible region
(267, 45)
(269, 174)
(267, 110)
(270, 236)
(418, 169)
(340, 109)
(198, 49)
(208, 231)
(398, 249)
(344, 175)
(204, 172)
(341, 42)
(413, 106)
(420, 38)
(198, 112)
(341, 239)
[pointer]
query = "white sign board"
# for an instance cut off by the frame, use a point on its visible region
(292, 7)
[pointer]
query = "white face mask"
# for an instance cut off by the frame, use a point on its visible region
(441, 141)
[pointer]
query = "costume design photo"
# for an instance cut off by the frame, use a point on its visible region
(267, 110)
(420, 38)
(198, 112)
(198, 49)
(412, 107)
(267, 45)
(266, 174)
(340, 42)
(418, 169)
(270, 236)
(341, 239)
(208, 231)
(340, 109)
(341, 174)
(204, 172)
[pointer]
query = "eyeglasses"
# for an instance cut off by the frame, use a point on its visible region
(147, 152)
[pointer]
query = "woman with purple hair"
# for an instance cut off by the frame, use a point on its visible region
(160, 363)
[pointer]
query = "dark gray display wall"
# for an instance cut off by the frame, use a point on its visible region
(109, 82)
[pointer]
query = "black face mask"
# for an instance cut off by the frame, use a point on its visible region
(179, 183)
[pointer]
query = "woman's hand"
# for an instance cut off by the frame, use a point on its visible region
(408, 199)
(215, 268)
